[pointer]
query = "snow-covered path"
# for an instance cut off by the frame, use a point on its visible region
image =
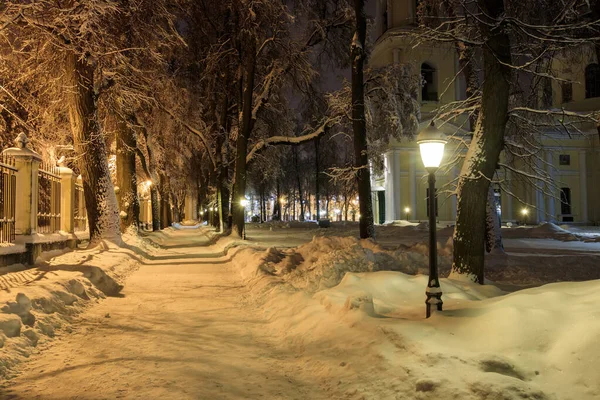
(181, 330)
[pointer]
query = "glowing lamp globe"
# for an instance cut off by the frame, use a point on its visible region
(431, 143)
(244, 202)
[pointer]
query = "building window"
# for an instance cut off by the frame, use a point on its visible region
(564, 159)
(592, 81)
(567, 92)
(428, 83)
(565, 201)
(436, 202)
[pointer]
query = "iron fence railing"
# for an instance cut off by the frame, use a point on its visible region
(79, 211)
(48, 199)
(8, 187)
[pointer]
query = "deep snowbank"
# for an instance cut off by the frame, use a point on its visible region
(537, 343)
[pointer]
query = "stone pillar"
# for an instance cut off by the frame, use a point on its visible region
(67, 199)
(583, 186)
(27, 163)
(412, 183)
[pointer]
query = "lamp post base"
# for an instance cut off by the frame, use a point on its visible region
(435, 299)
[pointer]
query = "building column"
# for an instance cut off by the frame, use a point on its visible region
(583, 186)
(390, 193)
(540, 202)
(412, 184)
(551, 200)
(397, 186)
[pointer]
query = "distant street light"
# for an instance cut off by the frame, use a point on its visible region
(431, 144)
(407, 210)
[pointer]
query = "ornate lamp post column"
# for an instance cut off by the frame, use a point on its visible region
(431, 144)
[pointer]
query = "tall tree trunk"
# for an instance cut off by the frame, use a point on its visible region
(299, 184)
(100, 198)
(277, 205)
(126, 176)
(359, 125)
(242, 138)
(493, 231)
(154, 191)
(222, 170)
(466, 55)
(317, 176)
(164, 202)
(155, 206)
(484, 150)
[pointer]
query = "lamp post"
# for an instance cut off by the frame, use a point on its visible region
(525, 212)
(431, 144)
(407, 210)
(244, 203)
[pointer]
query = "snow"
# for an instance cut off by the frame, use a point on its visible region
(335, 317)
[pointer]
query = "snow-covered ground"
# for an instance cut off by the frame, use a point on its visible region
(301, 312)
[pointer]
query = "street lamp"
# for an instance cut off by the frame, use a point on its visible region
(431, 144)
(407, 210)
(525, 212)
(244, 203)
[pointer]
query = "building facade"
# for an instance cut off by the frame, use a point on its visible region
(571, 162)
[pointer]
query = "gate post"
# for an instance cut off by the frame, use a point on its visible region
(67, 204)
(27, 163)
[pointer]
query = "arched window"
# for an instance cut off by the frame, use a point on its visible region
(592, 81)
(428, 83)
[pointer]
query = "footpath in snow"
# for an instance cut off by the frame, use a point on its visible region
(334, 317)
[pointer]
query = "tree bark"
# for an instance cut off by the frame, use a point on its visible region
(359, 125)
(317, 176)
(299, 184)
(126, 176)
(243, 136)
(484, 150)
(493, 230)
(100, 198)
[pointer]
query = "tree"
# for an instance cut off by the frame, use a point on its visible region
(89, 41)
(359, 125)
(513, 39)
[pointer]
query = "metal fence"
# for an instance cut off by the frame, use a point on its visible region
(79, 211)
(8, 185)
(48, 199)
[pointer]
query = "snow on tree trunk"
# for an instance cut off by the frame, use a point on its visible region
(484, 151)
(100, 198)
(126, 176)
(242, 139)
(493, 231)
(359, 125)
